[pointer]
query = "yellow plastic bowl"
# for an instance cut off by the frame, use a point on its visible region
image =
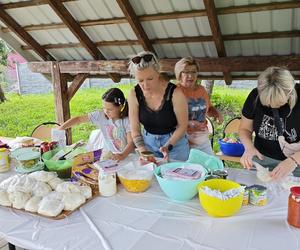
(216, 207)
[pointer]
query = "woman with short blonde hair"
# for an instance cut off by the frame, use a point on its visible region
(272, 111)
(199, 105)
(160, 107)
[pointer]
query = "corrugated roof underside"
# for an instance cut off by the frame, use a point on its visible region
(82, 10)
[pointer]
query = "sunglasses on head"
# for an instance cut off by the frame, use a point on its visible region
(146, 58)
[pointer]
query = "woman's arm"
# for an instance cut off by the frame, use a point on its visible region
(245, 134)
(181, 111)
(133, 106)
(74, 121)
(214, 113)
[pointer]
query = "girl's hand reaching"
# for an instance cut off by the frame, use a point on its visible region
(118, 157)
(246, 159)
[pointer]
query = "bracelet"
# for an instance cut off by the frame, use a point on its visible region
(138, 141)
(294, 160)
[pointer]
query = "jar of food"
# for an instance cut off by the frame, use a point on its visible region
(4, 160)
(258, 195)
(246, 195)
(222, 173)
(147, 157)
(212, 176)
(294, 207)
(107, 183)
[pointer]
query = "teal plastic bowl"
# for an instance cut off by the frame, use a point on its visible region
(179, 190)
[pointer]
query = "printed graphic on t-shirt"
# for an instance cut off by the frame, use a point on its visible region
(115, 135)
(268, 131)
(197, 109)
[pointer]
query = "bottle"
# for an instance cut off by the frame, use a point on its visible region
(107, 183)
(4, 160)
(294, 207)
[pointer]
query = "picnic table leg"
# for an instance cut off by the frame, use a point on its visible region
(11, 246)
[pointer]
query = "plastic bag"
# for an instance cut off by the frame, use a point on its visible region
(96, 140)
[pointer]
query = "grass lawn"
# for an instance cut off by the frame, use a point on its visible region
(20, 114)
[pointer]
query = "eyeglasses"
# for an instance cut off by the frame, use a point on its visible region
(193, 73)
(146, 58)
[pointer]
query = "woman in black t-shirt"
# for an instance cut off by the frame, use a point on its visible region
(272, 109)
(160, 107)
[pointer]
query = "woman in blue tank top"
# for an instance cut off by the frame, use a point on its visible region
(160, 107)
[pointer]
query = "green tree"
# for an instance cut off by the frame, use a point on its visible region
(4, 50)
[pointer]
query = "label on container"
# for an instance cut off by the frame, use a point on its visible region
(258, 195)
(4, 161)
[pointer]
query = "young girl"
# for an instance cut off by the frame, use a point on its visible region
(113, 122)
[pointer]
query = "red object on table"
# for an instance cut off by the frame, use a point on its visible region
(294, 207)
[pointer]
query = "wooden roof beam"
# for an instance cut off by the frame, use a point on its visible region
(216, 34)
(258, 7)
(193, 39)
(23, 35)
(118, 20)
(220, 64)
(75, 28)
(76, 84)
(135, 24)
(28, 4)
(129, 42)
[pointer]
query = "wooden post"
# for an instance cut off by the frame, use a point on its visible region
(62, 105)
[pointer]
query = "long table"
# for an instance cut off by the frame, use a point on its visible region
(150, 220)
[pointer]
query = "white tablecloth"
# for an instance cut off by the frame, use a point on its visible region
(150, 220)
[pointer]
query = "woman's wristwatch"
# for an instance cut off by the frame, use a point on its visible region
(170, 147)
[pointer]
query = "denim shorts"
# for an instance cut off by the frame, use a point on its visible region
(179, 152)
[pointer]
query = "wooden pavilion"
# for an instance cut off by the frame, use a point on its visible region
(72, 40)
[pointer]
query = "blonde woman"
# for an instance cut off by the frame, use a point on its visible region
(199, 105)
(272, 109)
(160, 107)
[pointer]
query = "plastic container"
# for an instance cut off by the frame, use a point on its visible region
(216, 207)
(179, 190)
(27, 157)
(4, 160)
(258, 195)
(107, 183)
(294, 207)
(136, 179)
(231, 149)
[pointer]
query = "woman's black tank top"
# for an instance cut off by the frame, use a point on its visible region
(161, 121)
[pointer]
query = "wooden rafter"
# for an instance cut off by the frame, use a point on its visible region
(135, 24)
(77, 82)
(216, 33)
(262, 35)
(220, 64)
(117, 20)
(220, 11)
(129, 42)
(75, 28)
(193, 39)
(28, 4)
(23, 35)
(258, 7)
